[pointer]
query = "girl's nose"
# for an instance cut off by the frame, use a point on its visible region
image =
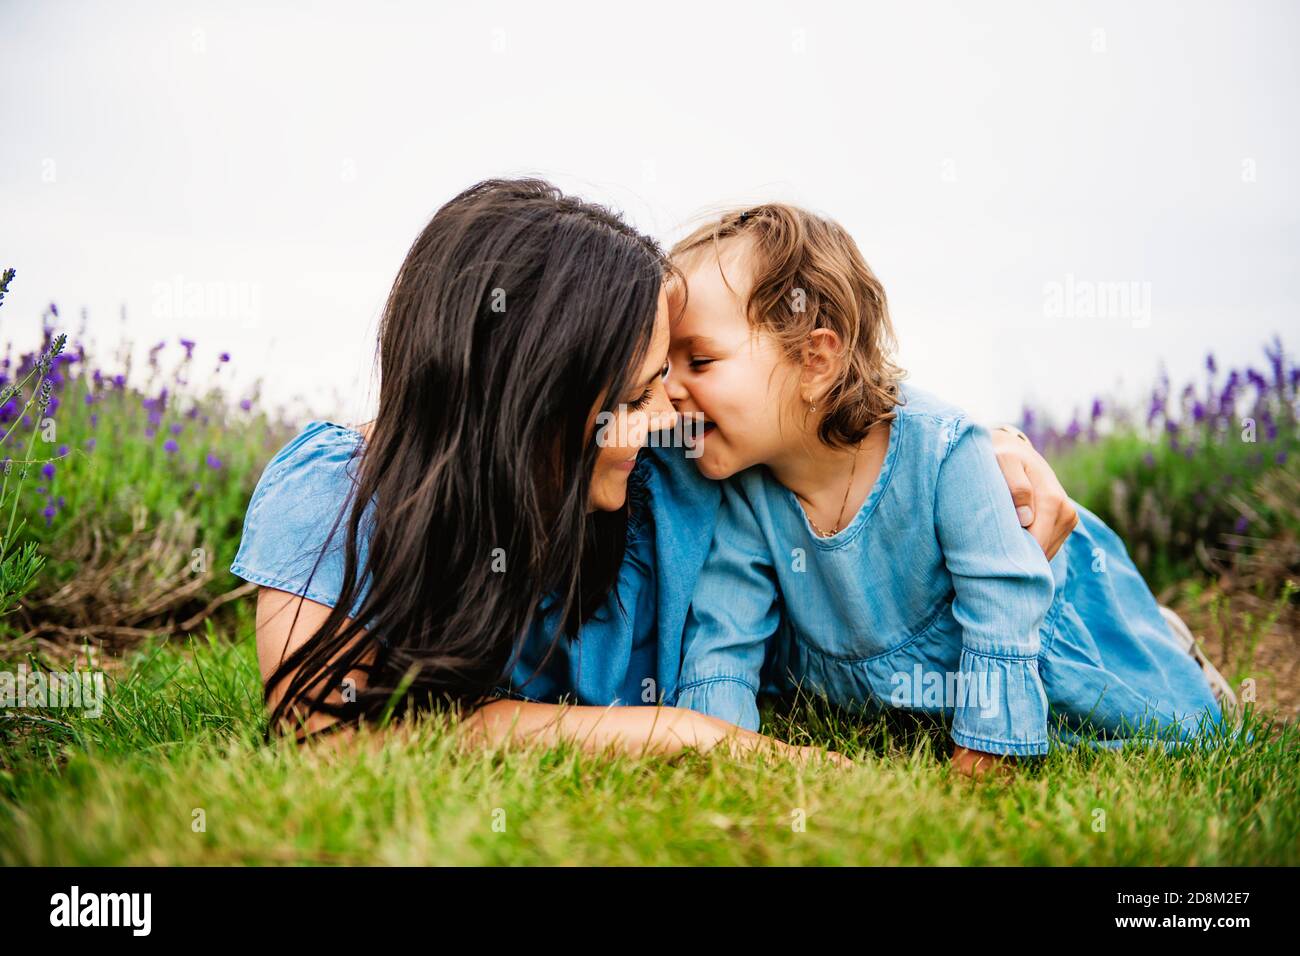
(673, 387)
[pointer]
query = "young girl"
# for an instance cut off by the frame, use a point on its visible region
(877, 532)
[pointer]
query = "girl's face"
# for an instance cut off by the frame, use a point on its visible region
(622, 434)
(737, 378)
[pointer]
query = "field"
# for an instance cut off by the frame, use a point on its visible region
(120, 520)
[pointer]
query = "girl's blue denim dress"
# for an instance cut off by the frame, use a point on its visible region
(935, 599)
(629, 653)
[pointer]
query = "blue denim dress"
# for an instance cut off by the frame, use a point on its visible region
(628, 653)
(935, 599)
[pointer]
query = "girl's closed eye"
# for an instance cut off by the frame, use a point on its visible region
(699, 363)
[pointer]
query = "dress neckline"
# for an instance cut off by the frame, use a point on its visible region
(851, 530)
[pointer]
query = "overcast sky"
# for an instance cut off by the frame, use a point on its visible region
(1057, 196)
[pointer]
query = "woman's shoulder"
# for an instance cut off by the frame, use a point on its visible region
(296, 513)
(318, 451)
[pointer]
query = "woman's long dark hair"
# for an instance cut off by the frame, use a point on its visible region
(517, 310)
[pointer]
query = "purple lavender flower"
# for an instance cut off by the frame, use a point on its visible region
(177, 428)
(1274, 354)
(1198, 412)
(63, 451)
(90, 444)
(225, 357)
(1241, 525)
(1096, 409)
(170, 446)
(1157, 407)
(49, 514)
(1210, 366)
(188, 345)
(214, 462)
(246, 404)
(48, 469)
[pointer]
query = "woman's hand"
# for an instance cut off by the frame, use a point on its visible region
(1041, 502)
(713, 732)
(976, 764)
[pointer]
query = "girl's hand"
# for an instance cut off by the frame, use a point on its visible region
(976, 764)
(1041, 502)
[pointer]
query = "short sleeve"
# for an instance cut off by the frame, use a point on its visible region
(290, 539)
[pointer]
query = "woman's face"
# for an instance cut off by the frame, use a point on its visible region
(622, 434)
(736, 378)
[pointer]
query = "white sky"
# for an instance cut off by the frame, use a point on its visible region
(978, 153)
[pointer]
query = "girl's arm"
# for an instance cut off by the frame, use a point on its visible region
(1003, 589)
(631, 730)
(733, 613)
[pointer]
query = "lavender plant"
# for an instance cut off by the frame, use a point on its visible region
(139, 506)
(20, 563)
(1180, 478)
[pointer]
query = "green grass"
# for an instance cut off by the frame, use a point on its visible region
(182, 730)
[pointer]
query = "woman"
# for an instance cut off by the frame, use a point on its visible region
(482, 543)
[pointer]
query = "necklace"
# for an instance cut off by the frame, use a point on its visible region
(840, 520)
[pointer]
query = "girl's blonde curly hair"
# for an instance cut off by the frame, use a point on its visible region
(809, 274)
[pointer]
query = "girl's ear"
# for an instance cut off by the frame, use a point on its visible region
(822, 354)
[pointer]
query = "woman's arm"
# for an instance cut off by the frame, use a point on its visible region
(1041, 503)
(284, 623)
(630, 730)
